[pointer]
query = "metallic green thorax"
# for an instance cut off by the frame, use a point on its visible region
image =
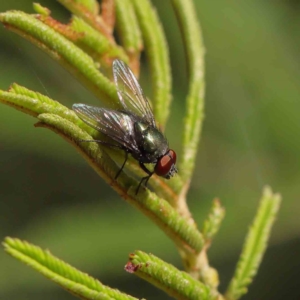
(151, 141)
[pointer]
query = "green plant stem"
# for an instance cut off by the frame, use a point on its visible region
(191, 33)
(196, 264)
(97, 45)
(212, 224)
(79, 283)
(157, 52)
(176, 283)
(129, 32)
(88, 11)
(58, 47)
(108, 13)
(255, 245)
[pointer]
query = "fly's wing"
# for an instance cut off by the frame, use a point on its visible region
(115, 124)
(130, 93)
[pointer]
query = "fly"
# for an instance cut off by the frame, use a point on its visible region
(133, 128)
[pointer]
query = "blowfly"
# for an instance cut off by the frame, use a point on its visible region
(133, 128)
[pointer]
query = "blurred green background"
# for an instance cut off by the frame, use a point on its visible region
(50, 196)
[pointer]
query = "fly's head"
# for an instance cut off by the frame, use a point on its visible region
(165, 166)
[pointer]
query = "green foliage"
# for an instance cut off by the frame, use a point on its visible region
(255, 245)
(65, 122)
(58, 47)
(81, 47)
(129, 32)
(212, 224)
(194, 49)
(157, 52)
(69, 278)
(95, 44)
(176, 283)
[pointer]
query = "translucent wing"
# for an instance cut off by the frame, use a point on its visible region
(130, 93)
(117, 125)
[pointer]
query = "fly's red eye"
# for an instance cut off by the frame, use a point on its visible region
(165, 163)
(173, 155)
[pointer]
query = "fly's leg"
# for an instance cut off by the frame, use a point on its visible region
(111, 145)
(146, 178)
(119, 172)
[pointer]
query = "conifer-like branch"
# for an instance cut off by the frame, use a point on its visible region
(176, 283)
(255, 245)
(81, 47)
(69, 278)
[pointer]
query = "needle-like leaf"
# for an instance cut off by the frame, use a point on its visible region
(58, 47)
(129, 32)
(69, 278)
(255, 245)
(157, 52)
(213, 222)
(177, 284)
(191, 33)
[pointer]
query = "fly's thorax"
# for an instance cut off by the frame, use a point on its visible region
(151, 142)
